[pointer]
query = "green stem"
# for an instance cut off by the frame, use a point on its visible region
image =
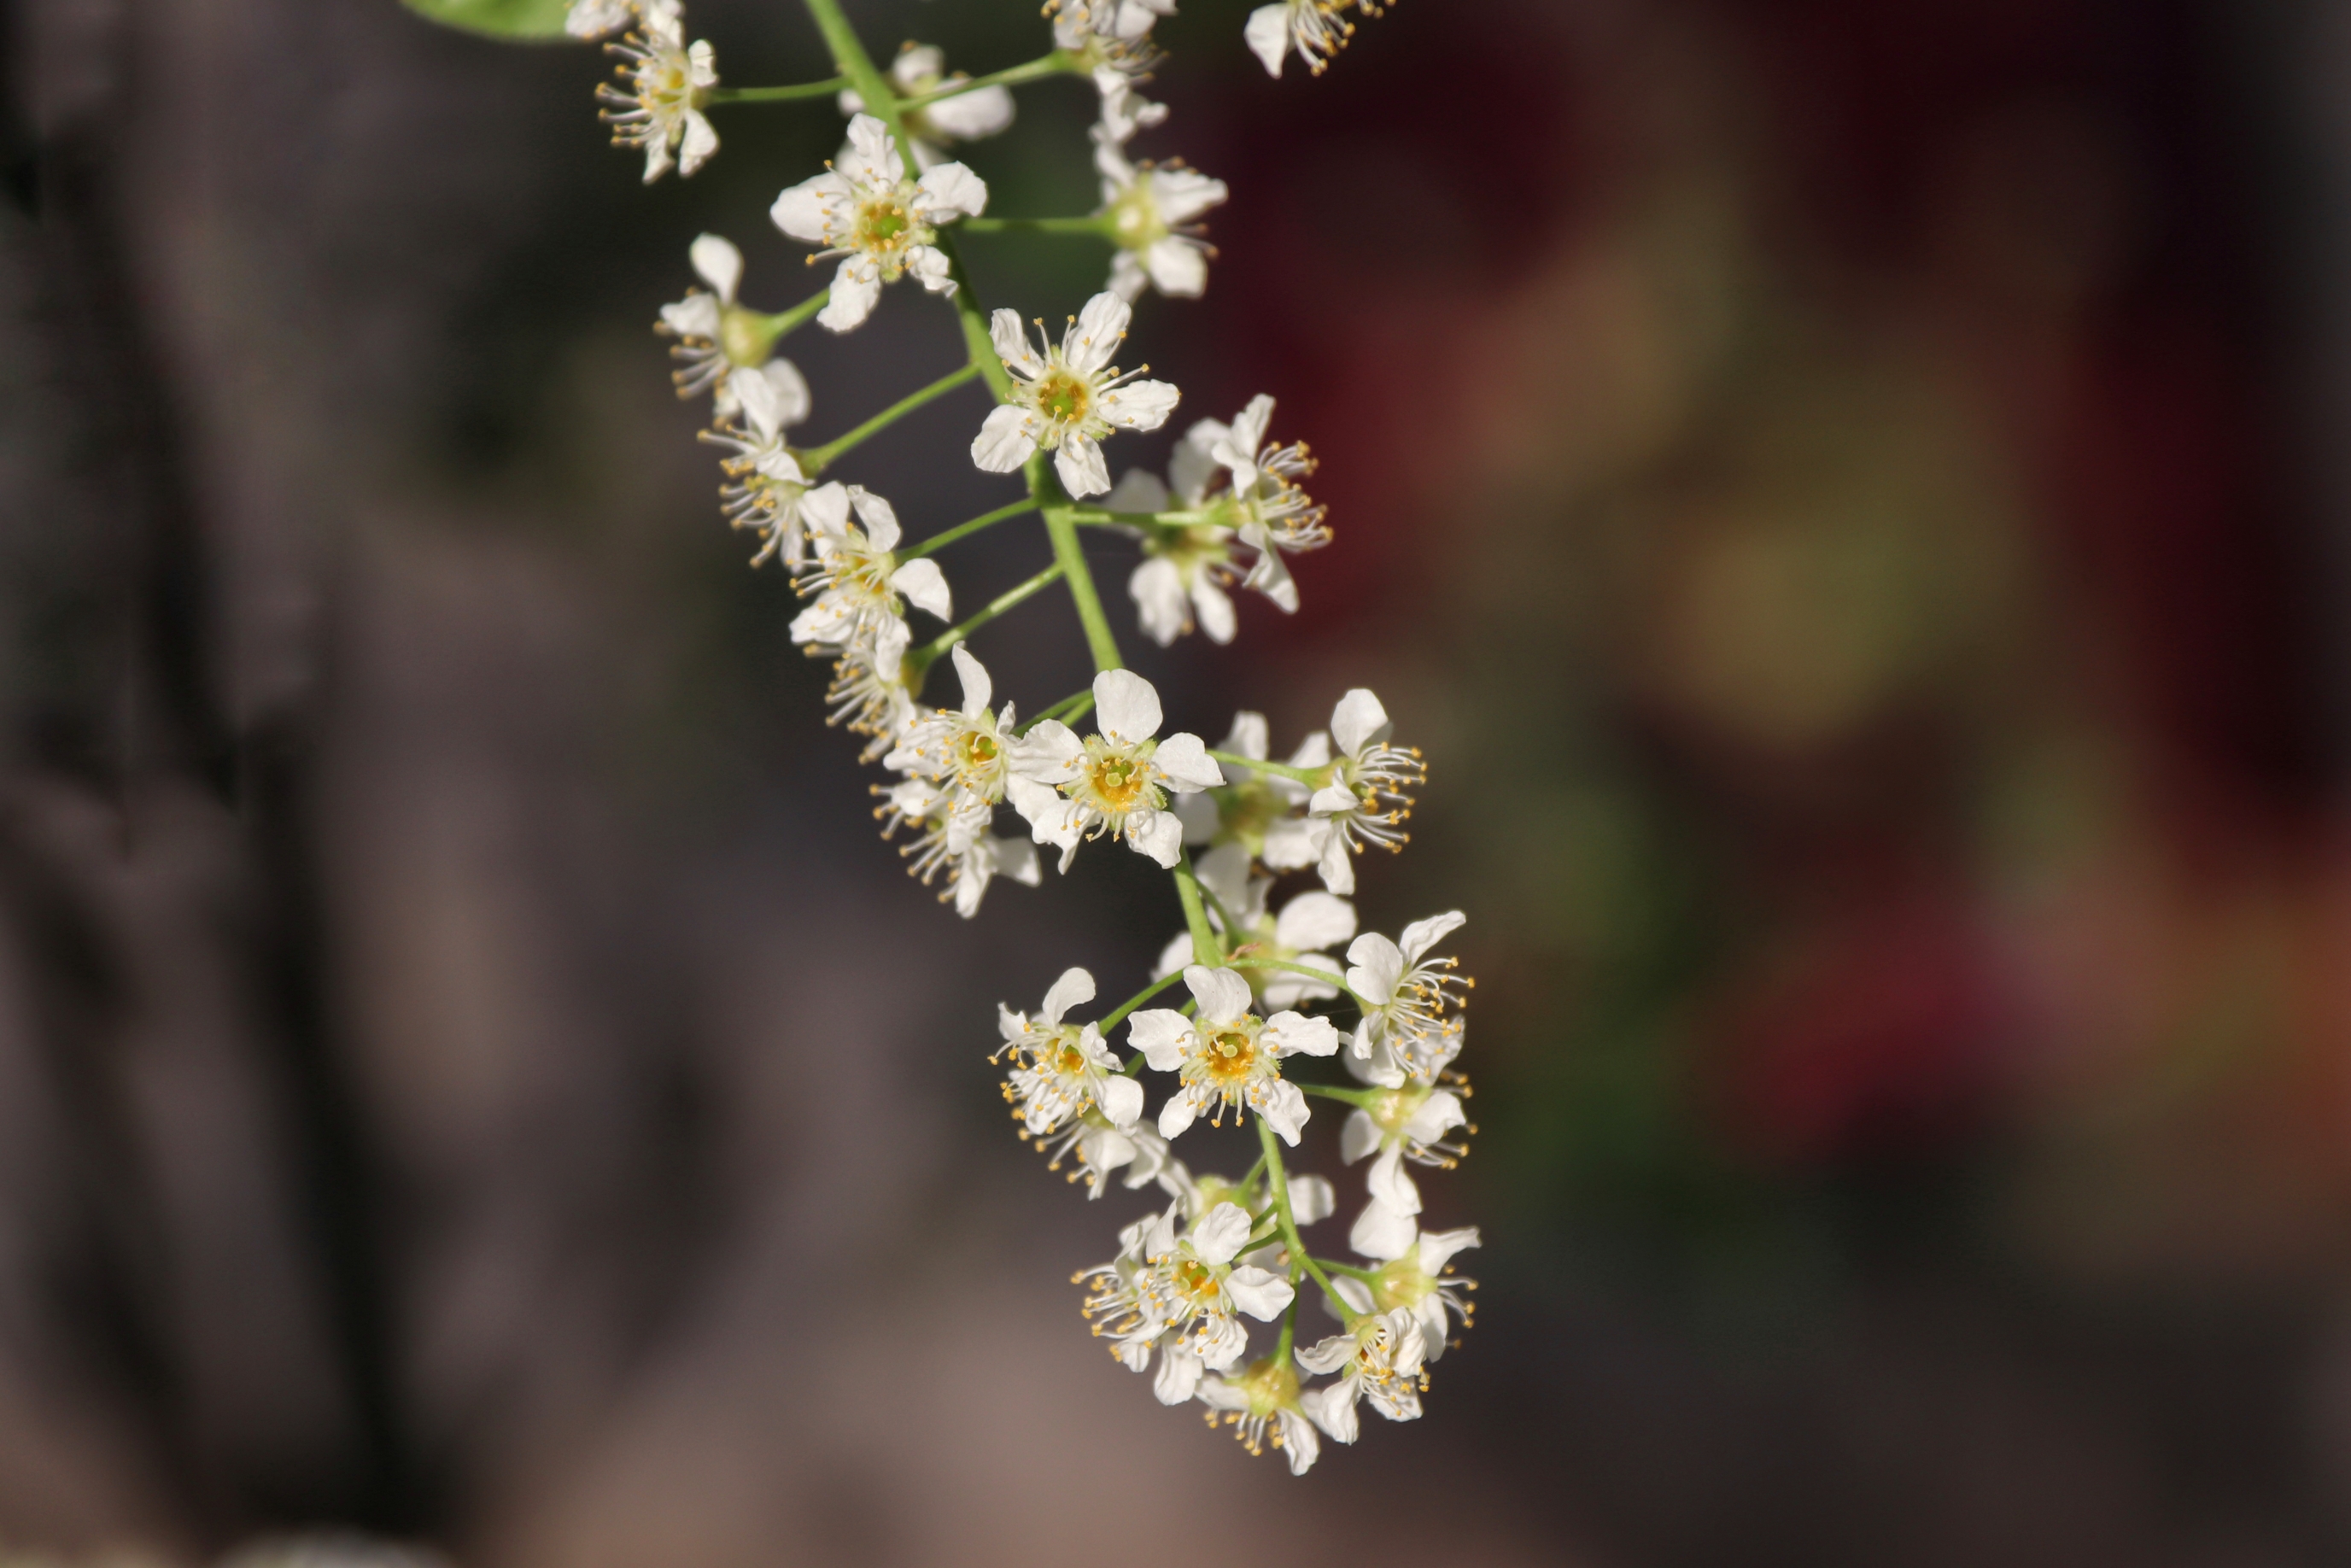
(816, 459)
(1325, 976)
(1279, 1180)
(1086, 225)
(986, 520)
(1206, 948)
(922, 658)
(1357, 1097)
(1064, 532)
(1117, 1015)
(783, 321)
(1369, 1276)
(776, 94)
(1289, 1329)
(1317, 776)
(1060, 62)
(1097, 518)
(1072, 707)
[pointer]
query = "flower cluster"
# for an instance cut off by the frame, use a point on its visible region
(1286, 1003)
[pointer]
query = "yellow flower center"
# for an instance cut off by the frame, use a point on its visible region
(1068, 1060)
(883, 225)
(1063, 397)
(1229, 1056)
(1195, 1279)
(1119, 782)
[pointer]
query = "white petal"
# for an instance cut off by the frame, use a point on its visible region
(856, 288)
(1137, 491)
(1075, 985)
(1225, 873)
(1178, 1377)
(1216, 611)
(925, 586)
(1249, 737)
(1327, 1355)
(872, 157)
(1012, 345)
(1262, 1294)
(1093, 338)
(1301, 1444)
(1220, 1232)
(718, 262)
(1079, 464)
(1174, 956)
(1176, 1114)
(1127, 277)
(1121, 1101)
(1270, 576)
(1390, 1184)
(1140, 405)
(1313, 920)
(1311, 1197)
(701, 139)
(1005, 440)
(1358, 1137)
(1331, 1407)
(1190, 469)
(1374, 968)
(696, 316)
(1223, 994)
(1187, 763)
(950, 192)
(1284, 1108)
(1163, 1035)
(978, 690)
(1126, 706)
(801, 211)
(1178, 267)
(1381, 1232)
(1157, 590)
(1295, 1034)
(1333, 863)
(1015, 857)
(1267, 33)
(929, 264)
(1438, 1247)
(1048, 753)
(1438, 1114)
(1357, 721)
(1422, 934)
(1157, 834)
(1291, 844)
(969, 115)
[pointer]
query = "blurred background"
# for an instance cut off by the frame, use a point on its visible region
(1850, 498)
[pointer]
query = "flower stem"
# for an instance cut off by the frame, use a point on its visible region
(924, 656)
(1117, 1015)
(1356, 1097)
(1074, 706)
(1097, 518)
(1318, 776)
(1064, 532)
(1289, 1329)
(1279, 1180)
(1206, 948)
(1349, 1270)
(816, 459)
(783, 321)
(798, 91)
(1060, 62)
(1325, 976)
(1085, 225)
(986, 520)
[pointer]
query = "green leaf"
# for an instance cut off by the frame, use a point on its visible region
(521, 20)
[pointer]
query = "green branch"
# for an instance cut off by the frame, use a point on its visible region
(1325, 976)
(783, 321)
(1060, 62)
(798, 90)
(1064, 532)
(1118, 1014)
(1086, 225)
(1317, 776)
(986, 520)
(930, 653)
(1074, 707)
(1206, 948)
(1279, 1180)
(816, 459)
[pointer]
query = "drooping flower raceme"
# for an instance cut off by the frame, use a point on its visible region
(1066, 398)
(666, 84)
(880, 223)
(1271, 996)
(1228, 1057)
(1114, 782)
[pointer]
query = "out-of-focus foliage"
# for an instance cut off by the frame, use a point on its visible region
(534, 20)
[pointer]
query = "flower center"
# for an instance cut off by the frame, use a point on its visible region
(1230, 1054)
(746, 337)
(1136, 218)
(1064, 397)
(1196, 1281)
(1394, 1107)
(882, 224)
(1119, 782)
(1401, 1283)
(1068, 1060)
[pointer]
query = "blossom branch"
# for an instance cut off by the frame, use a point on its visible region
(1278, 1179)
(1060, 62)
(922, 658)
(791, 94)
(946, 537)
(1098, 227)
(1317, 776)
(816, 459)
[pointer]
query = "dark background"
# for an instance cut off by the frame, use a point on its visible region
(1850, 497)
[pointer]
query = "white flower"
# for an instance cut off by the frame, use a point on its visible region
(1256, 811)
(1061, 1070)
(1307, 923)
(1381, 1361)
(1114, 782)
(1124, 111)
(764, 489)
(719, 341)
(1152, 212)
(1263, 1407)
(1184, 569)
(1089, 27)
(1316, 30)
(668, 82)
(864, 210)
(1181, 1292)
(856, 577)
(966, 117)
(1228, 1056)
(1367, 794)
(1413, 1273)
(594, 18)
(1267, 508)
(952, 836)
(868, 694)
(1068, 398)
(1400, 1124)
(1405, 995)
(969, 751)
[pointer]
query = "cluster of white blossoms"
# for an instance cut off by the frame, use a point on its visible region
(1289, 1003)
